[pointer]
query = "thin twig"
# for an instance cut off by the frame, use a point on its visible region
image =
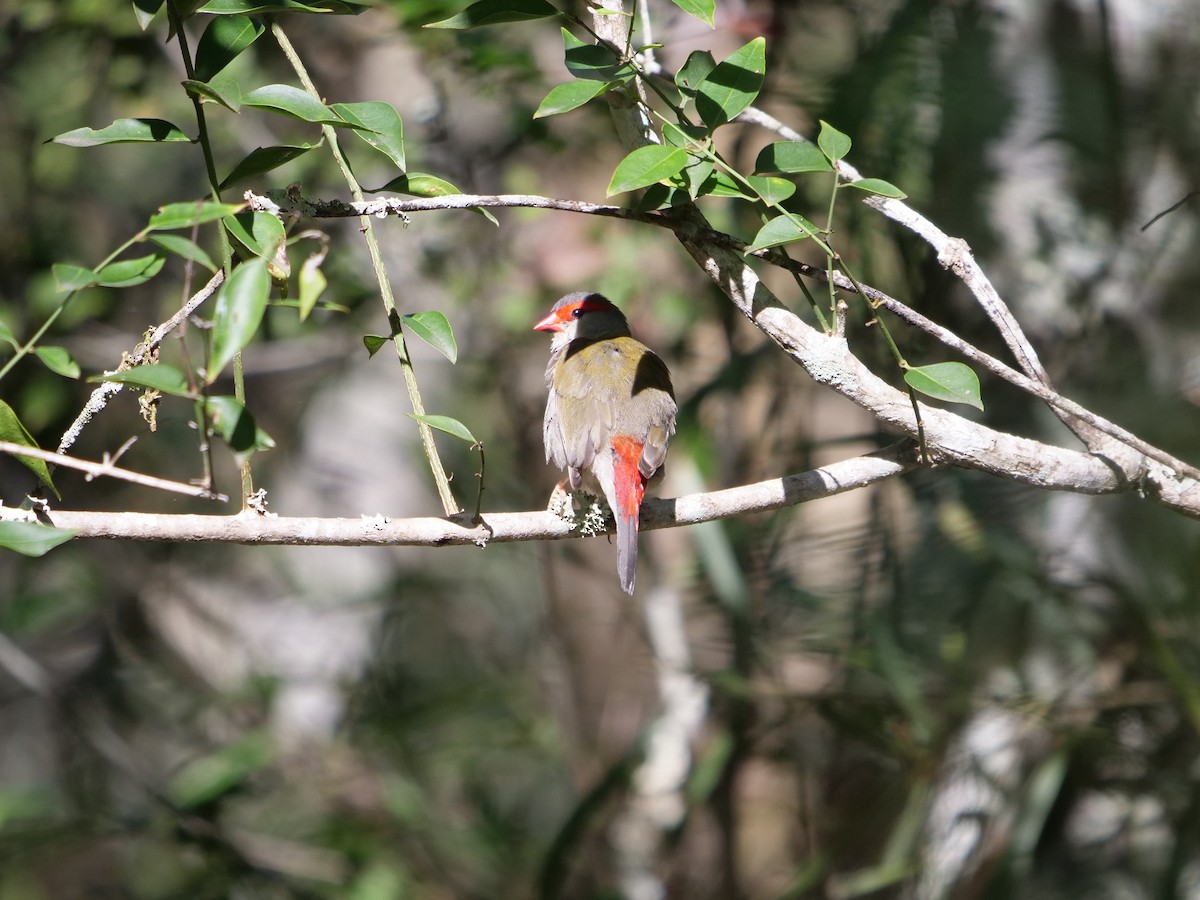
(107, 469)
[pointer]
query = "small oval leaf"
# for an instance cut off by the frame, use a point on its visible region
(58, 360)
(263, 159)
(566, 97)
(156, 377)
(833, 143)
(291, 101)
(222, 41)
(733, 84)
(879, 187)
(130, 272)
(241, 303)
(448, 425)
(380, 124)
(704, 10)
(32, 539)
(771, 190)
(646, 166)
(792, 157)
(185, 248)
(496, 12)
(780, 230)
(14, 432)
(374, 343)
(185, 215)
(124, 131)
(434, 329)
(953, 382)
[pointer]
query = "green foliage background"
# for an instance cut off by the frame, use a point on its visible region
(290, 722)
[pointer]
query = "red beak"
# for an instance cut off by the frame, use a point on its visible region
(552, 322)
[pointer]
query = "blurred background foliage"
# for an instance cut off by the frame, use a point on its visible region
(945, 686)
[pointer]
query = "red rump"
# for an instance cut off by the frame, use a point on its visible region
(627, 452)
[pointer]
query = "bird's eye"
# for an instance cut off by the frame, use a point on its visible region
(577, 312)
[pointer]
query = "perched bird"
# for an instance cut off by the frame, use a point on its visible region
(610, 411)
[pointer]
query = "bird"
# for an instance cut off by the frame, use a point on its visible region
(610, 411)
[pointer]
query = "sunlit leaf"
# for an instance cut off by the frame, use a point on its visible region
(953, 382)
(72, 278)
(145, 11)
(156, 377)
(566, 97)
(772, 190)
(434, 329)
(259, 232)
(58, 360)
(12, 431)
(185, 215)
(591, 62)
(877, 186)
(694, 70)
(291, 101)
(733, 84)
(386, 130)
(32, 539)
(241, 303)
(130, 272)
(496, 12)
(646, 166)
(222, 41)
(222, 89)
(792, 157)
(704, 10)
(448, 425)
(185, 248)
(124, 131)
(419, 184)
(312, 285)
(780, 230)
(832, 142)
(251, 7)
(264, 159)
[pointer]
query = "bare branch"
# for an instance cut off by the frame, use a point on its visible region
(249, 527)
(107, 469)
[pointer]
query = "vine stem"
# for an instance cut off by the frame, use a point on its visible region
(385, 288)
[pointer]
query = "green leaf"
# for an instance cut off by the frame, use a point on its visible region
(222, 89)
(185, 215)
(496, 12)
(733, 84)
(251, 7)
(124, 131)
(264, 159)
(385, 129)
(186, 248)
(14, 432)
(145, 11)
(291, 101)
(566, 97)
(32, 539)
(233, 424)
(949, 381)
(259, 232)
(241, 303)
(832, 142)
(130, 272)
(157, 377)
(591, 62)
(434, 329)
(448, 425)
(646, 166)
(6, 334)
(780, 230)
(419, 184)
(209, 777)
(58, 360)
(772, 190)
(312, 284)
(878, 186)
(704, 10)
(222, 41)
(695, 69)
(374, 343)
(792, 157)
(72, 278)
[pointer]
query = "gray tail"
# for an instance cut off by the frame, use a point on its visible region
(627, 550)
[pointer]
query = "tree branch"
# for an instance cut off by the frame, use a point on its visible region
(249, 527)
